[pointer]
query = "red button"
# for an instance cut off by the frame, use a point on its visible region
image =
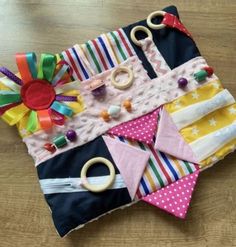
(38, 94)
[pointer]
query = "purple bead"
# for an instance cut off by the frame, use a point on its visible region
(98, 92)
(182, 82)
(71, 135)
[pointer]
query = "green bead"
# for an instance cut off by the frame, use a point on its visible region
(59, 141)
(200, 75)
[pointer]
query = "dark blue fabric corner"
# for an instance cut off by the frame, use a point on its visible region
(70, 210)
(175, 46)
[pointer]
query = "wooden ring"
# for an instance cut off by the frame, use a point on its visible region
(151, 16)
(97, 187)
(125, 84)
(139, 28)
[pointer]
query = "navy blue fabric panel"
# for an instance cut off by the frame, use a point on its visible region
(175, 46)
(70, 163)
(70, 210)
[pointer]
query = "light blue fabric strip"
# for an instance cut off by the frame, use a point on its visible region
(69, 185)
(62, 108)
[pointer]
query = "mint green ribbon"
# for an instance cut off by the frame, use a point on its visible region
(47, 66)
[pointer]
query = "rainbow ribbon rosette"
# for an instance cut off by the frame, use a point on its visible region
(38, 98)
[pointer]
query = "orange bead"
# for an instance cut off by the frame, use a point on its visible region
(105, 115)
(127, 105)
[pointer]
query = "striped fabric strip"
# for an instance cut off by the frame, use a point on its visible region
(103, 48)
(162, 169)
(82, 69)
(102, 53)
(93, 57)
(67, 56)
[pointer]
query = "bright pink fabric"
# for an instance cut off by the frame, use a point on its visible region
(140, 129)
(170, 141)
(130, 161)
(175, 198)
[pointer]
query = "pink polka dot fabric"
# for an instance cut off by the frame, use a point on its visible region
(141, 129)
(175, 198)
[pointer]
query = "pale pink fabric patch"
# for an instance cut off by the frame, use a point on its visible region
(170, 141)
(140, 129)
(175, 198)
(130, 161)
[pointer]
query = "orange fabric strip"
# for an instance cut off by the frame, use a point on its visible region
(23, 67)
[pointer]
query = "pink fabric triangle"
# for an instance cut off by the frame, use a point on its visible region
(130, 161)
(175, 198)
(140, 129)
(170, 141)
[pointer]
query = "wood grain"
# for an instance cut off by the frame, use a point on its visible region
(51, 26)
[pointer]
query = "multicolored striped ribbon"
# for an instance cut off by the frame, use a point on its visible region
(161, 170)
(102, 53)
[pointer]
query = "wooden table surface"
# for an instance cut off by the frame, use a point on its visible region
(51, 26)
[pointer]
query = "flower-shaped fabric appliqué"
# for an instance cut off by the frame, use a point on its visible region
(41, 96)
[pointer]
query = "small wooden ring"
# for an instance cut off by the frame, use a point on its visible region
(155, 14)
(125, 84)
(139, 28)
(94, 187)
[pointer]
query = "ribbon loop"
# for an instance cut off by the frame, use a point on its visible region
(14, 115)
(62, 108)
(32, 63)
(3, 109)
(63, 75)
(26, 63)
(57, 117)
(7, 97)
(32, 124)
(44, 119)
(47, 66)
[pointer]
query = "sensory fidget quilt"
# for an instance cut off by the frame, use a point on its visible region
(133, 115)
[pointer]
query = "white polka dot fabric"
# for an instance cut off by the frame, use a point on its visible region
(141, 129)
(175, 198)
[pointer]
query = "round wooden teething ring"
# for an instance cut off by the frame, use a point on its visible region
(139, 28)
(151, 16)
(123, 85)
(94, 187)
